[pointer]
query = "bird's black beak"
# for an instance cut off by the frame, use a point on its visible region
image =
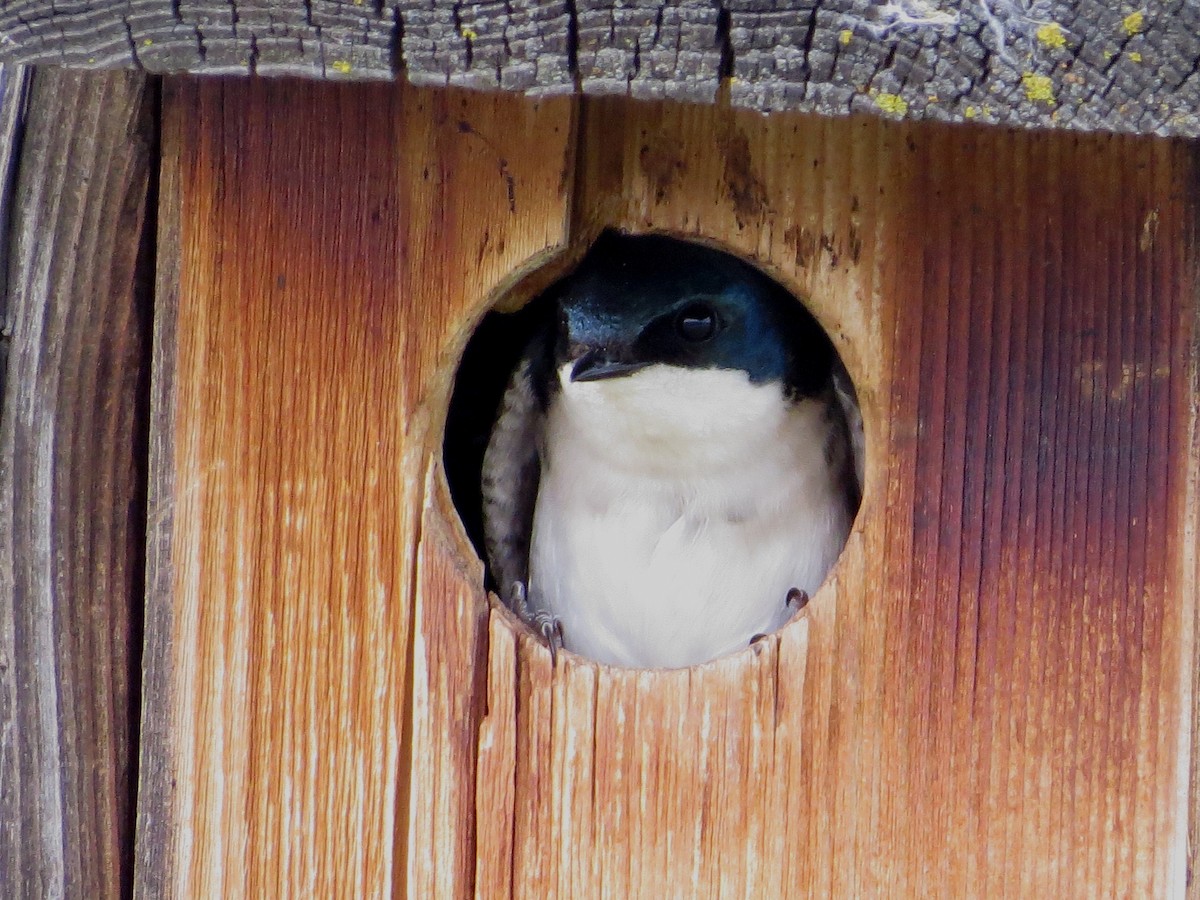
(595, 365)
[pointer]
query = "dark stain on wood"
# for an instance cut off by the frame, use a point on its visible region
(663, 165)
(1049, 469)
(510, 185)
(743, 185)
(803, 243)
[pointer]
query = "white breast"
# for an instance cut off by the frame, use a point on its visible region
(676, 509)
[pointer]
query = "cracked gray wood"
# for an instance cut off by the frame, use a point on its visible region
(72, 485)
(1042, 63)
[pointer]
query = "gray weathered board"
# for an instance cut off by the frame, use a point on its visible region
(73, 427)
(1085, 64)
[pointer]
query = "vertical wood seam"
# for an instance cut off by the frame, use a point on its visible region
(155, 831)
(1191, 535)
(402, 859)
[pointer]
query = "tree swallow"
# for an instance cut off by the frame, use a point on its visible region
(677, 460)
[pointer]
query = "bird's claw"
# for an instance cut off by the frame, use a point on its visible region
(551, 630)
(546, 625)
(796, 600)
(518, 601)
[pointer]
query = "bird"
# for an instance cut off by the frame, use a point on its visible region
(677, 459)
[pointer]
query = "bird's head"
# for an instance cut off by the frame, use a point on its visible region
(637, 302)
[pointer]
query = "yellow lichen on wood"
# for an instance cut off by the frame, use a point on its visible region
(891, 103)
(1051, 35)
(1038, 88)
(1134, 23)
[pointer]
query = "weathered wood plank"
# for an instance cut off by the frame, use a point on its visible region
(989, 698)
(991, 695)
(266, 706)
(449, 678)
(487, 183)
(156, 838)
(335, 245)
(1054, 64)
(14, 97)
(72, 475)
(1191, 543)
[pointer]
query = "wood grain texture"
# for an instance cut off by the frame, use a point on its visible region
(156, 838)
(995, 681)
(1077, 64)
(1191, 543)
(72, 478)
(991, 696)
(335, 245)
(14, 96)
(450, 653)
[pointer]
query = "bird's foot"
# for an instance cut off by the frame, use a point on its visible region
(547, 626)
(518, 601)
(796, 600)
(551, 630)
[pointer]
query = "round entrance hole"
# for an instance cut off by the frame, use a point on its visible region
(659, 458)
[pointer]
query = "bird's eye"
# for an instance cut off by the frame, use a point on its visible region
(697, 323)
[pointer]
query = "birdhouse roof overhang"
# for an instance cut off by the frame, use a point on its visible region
(1036, 63)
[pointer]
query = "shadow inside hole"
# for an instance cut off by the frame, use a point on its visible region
(483, 374)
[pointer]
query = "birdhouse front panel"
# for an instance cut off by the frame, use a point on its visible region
(987, 697)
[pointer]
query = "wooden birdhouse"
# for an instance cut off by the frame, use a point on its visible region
(245, 645)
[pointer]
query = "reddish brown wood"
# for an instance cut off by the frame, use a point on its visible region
(996, 687)
(989, 698)
(333, 248)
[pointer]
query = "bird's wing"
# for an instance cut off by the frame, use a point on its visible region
(511, 470)
(843, 387)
